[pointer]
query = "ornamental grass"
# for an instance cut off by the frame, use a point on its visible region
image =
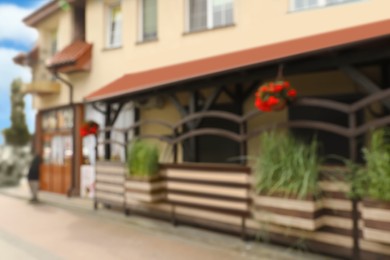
(287, 166)
(142, 159)
(373, 181)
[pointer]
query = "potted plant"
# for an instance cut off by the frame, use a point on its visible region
(143, 182)
(372, 183)
(287, 182)
(274, 96)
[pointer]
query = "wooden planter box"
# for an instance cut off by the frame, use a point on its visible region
(149, 190)
(376, 218)
(290, 212)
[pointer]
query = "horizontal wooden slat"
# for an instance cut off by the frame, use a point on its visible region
(110, 179)
(377, 235)
(144, 197)
(110, 197)
(376, 214)
(111, 169)
(218, 168)
(375, 247)
(381, 225)
(337, 222)
(288, 212)
(208, 215)
(209, 196)
(339, 231)
(208, 176)
(337, 213)
(108, 187)
(284, 203)
(144, 186)
(324, 237)
(208, 189)
(209, 202)
(337, 204)
(335, 186)
(210, 183)
(288, 221)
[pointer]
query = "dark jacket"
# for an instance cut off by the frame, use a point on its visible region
(33, 172)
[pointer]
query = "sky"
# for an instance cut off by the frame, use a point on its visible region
(15, 37)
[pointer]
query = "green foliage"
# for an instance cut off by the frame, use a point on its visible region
(373, 181)
(64, 5)
(142, 160)
(287, 166)
(17, 134)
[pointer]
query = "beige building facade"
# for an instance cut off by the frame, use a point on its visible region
(85, 46)
(254, 24)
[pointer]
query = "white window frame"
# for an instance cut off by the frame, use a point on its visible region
(210, 18)
(109, 7)
(321, 3)
(141, 22)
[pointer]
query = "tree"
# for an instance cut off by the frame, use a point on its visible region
(17, 134)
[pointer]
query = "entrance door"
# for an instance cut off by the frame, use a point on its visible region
(55, 175)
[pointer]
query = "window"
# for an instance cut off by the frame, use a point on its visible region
(148, 17)
(53, 42)
(307, 4)
(114, 27)
(207, 14)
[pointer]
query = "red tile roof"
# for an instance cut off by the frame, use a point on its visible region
(28, 58)
(147, 80)
(72, 55)
(42, 13)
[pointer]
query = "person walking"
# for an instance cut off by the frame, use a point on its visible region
(33, 177)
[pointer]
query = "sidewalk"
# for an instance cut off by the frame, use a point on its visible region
(196, 237)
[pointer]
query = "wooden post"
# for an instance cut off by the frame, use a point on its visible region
(355, 212)
(107, 134)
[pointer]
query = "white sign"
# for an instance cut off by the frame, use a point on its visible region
(87, 184)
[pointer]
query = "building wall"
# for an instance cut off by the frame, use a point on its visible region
(257, 23)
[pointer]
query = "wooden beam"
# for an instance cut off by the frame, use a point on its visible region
(94, 106)
(252, 88)
(231, 95)
(107, 134)
(363, 81)
(116, 113)
(210, 101)
(182, 110)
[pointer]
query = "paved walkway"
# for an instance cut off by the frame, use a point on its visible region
(62, 228)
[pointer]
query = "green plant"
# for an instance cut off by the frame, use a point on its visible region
(142, 159)
(17, 134)
(373, 180)
(287, 166)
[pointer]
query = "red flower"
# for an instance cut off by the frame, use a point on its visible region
(274, 96)
(88, 128)
(272, 101)
(278, 88)
(292, 93)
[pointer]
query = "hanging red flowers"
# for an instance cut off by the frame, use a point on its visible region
(274, 96)
(89, 128)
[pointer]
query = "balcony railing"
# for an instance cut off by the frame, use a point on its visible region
(42, 88)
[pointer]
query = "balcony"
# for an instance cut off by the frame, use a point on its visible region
(42, 88)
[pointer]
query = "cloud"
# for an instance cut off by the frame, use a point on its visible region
(8, 72)
(12, 28)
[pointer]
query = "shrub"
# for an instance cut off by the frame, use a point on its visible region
(142, 159)
(287, 166)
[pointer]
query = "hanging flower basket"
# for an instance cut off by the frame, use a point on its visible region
(274, 96)
(89, 128)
